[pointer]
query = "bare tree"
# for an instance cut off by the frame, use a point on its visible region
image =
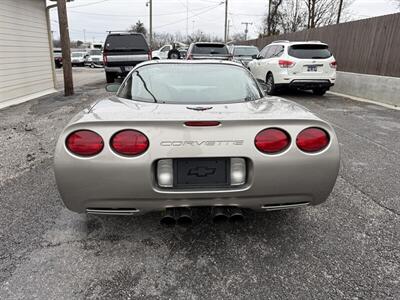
(325, 12)
(271, 20)
(292, 16)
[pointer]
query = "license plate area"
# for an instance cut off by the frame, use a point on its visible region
(201, 172)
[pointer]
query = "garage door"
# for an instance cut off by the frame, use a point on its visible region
(25, 60)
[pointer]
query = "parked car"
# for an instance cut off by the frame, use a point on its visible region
(58, 61)
(170, 52)
(208, 50)
(78, 58)
(94, 58)
(122, 51)
(182, 134)
(243, 54)
(301, 65)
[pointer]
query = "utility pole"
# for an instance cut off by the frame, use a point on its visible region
(227, 33)
(226, 22)
(246, 30)
(151, 23)
(340, 11)
(187, 19)
(65, 47)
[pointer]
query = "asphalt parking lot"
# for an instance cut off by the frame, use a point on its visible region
(347, 248)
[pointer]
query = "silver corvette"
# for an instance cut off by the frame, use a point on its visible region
(183, 134)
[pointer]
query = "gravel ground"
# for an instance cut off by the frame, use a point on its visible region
(347, 248)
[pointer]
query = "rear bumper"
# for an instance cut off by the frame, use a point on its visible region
(311, 83)
(110, 181)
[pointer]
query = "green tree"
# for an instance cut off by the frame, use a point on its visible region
(138, 27)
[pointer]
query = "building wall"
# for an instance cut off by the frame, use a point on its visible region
(25, 58)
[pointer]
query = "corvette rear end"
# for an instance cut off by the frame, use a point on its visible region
(124, 156)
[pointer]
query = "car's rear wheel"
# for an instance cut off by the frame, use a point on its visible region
(110, 77)
(270, 87)
(319, 92)
(174, 54)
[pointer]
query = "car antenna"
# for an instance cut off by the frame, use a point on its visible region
(145, 86)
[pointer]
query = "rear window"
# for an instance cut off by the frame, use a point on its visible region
(190, 84)
(126, 42)
(311, 51)
(245, 51)
(210, 49)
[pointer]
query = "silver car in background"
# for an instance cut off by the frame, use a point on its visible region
(182, 134)
(243, 54)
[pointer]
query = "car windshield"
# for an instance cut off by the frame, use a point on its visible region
(190, 84)
(210, 49)
(95, 52)
(77, 54)
(245, 51)
(310, 51)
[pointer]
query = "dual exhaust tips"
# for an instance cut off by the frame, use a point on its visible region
(183, 215)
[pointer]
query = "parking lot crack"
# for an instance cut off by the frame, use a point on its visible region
(369, 196)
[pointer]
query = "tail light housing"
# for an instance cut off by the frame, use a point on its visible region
(312, 139)
(129, 142)
(283, 63)
(189, 57)
(149, 55)
(84, 143)
(333, 64)
(104, 58)
(272, 140)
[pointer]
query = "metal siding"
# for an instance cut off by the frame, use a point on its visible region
(25, 60)
(369, 46)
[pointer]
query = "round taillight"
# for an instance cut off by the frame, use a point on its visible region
(129, 142)
(312, 139)
(272, 140)
(84, 143)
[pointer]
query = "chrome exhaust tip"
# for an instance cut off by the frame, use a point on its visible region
(235, 215)
(168, 218)
(184, 216)
(219, 214)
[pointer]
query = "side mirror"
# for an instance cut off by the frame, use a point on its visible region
(254, 56)
(112, 87)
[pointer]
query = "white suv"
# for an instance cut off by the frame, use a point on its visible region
(302, 65)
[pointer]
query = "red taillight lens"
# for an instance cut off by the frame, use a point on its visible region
(283, 63)
(129, 142)
(84, 143)
(272, 140)
(202, 123)
(312, 139)
(333, 65)
(104, 59)
(149, 55)
(189, 57)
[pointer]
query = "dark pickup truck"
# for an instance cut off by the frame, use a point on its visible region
(208, 50)
(122, 51)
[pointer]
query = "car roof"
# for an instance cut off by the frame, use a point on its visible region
(209, 43)
(296, 43)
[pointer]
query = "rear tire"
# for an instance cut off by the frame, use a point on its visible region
(319, 92)
(270, 87)
(110, 77)
(174, 54)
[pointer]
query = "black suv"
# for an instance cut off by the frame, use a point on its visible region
(122, 51)
(207, 50)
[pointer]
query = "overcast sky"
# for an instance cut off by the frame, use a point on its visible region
(95, 17)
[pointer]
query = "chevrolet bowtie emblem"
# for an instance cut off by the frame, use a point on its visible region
(201, 171)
